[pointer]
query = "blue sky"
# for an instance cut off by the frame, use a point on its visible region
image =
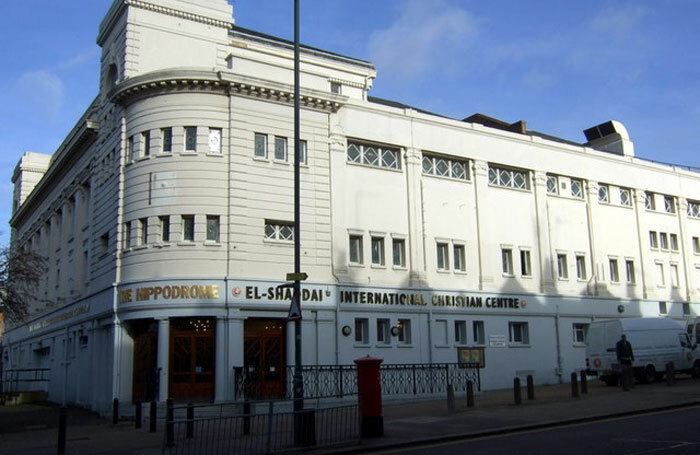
(562, 66)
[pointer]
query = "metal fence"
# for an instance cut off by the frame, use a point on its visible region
(262, 433)
(24, 380)
(324, 381)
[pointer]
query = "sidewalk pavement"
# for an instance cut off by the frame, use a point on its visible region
(405, 423)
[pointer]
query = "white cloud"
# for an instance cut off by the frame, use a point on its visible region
(620, 21)
(78, 59)
(428, 35)
(43, 90)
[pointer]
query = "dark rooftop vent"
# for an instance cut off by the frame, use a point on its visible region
(602, 130)
(517, 127)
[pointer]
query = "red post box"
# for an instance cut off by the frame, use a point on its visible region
(369, 388)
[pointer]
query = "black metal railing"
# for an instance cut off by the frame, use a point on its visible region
(325, 381)
(262, 432)
(24, 380)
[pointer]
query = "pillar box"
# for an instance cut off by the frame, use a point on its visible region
(369, 388)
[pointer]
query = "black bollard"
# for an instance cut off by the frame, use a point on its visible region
(153, 417)
(516, 391)
(169, 423)
(626, 377)
(530, 387)
(61, 449)
(246, 417)
(574, 385)
(584, 382)
(670, 374)
(470, 394)
(115, 411)
(138, 412)
(190, 421)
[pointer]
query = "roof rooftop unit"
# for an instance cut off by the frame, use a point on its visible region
(611, 137)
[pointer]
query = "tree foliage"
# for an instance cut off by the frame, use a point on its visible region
(20, 274)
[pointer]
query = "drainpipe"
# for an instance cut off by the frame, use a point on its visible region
(559, 362)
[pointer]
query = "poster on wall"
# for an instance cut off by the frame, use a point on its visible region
(472, 356)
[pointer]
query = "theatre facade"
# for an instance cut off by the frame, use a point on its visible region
(166, 219)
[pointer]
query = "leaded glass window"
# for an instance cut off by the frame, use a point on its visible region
(604, 193)
(373, 155)
(694, 209)
(279, 230)
(510, 178)
(625, 197)
(552, 184)
(649, 202)
(445, 167)
(577, 188)
(280, 148)
(260, 145)
(669, 204)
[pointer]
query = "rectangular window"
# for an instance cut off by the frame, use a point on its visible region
(525, 268)
(404, 327)
(164, 228)
(660, 277)
(279, 230)
(479, 334)
(674, 242)
(443, 261)
(629, 268)
(625, 197)
(188, 228)
(669, 204)
(459, 258)
(649, 200)
(580, 331)
(213, 222)
(507, 261)
(383, 331)
(260, 145)
(653, 240)
(696, 245)
(373, 155)
(190, 138)
(143, 231)
(603, 193)
(146, 143)
(356, 249)
(127, 235)
(104, 243)
(674, 275)
(280, 148)
(614, 273)
(581, 267)
(398, 247)
(693, 209)
(131, 150)
(510, 178)
(445, 167)
(662, 308)
(336, 88)
(663, 241)
(518, 332)
(303, 152)
(577, 188)
(460, 332)
(377, 250)
(552, 184)
(686, 308)
(167, 137)
(214, 140)
(562, 267)
(362, 330)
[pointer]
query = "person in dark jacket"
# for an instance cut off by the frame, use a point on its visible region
(624, 351)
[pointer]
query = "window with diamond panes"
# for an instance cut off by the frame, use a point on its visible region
(694, 209)
(649, 202)
(669, 205)
(445, 167)
(604, 193)
(577, 188)
(373, 155)
(625, 197)
(509, 178)
(279, 230)
(552, 184)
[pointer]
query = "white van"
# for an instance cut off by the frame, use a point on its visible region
(655, 342)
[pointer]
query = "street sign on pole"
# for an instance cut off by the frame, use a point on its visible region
(297, 276)
(294, 309)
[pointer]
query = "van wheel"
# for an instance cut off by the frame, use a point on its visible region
(695, 371)
(611, 380)
(649, 374)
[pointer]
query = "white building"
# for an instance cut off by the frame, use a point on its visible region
(166, 217)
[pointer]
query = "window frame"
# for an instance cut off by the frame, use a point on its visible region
(578, 184)
(459, 257)
(518, 329)
(626, 197)
(380, 151)
(629, 271)
(669, 204)
(460, 333)
(260, 144)
(580, 328)
(281, 140)
(146, 143)
(404, 336)
(562, 266)
(166, 140)
(452, 163)
(604, 193)
(401, 243)
(614, 270)
(507, 261)
(383, 326)
(653, 240)
(552, 184)
(188, 222)
(525, 262)
(362, 331)
(442, 261)
(213, 221)
(479, 332)
(143, 231)
(504, 177)
(164, 228)
(649, 201)
(581, 274)
(377, 245)
(273, 231)
(188, 137)
(358, 238)
(213, 133)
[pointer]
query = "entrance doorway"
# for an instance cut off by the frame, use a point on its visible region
(264, 358)
(192, 358)
(145, 367)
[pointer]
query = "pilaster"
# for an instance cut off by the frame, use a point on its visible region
(642, 238)
(686, 249)
(546, 255)
(480, 171)
(416, 227)
(163, 358)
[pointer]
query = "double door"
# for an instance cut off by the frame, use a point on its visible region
(264, 358)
